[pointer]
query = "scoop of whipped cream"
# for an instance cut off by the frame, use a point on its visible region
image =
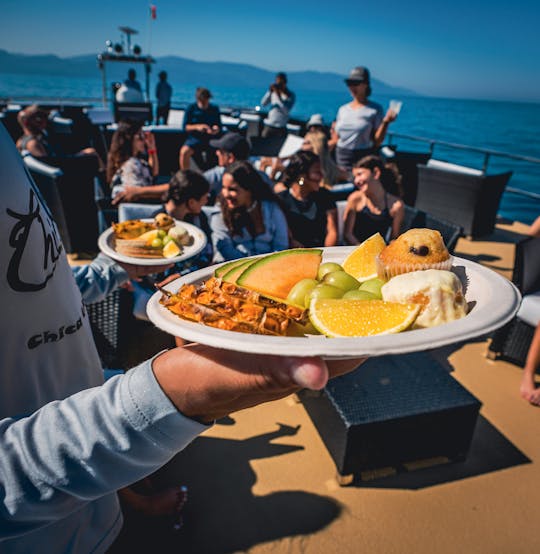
(439, 292)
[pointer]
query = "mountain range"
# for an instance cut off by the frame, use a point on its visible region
(184, 70)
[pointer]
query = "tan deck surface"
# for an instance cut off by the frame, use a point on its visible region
(265, 483)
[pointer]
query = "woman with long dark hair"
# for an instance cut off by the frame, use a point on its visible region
(373, 208)
(132, 164)
(250, 220)
(310, 210)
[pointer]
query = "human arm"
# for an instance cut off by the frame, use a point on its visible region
(331, 238)
(90, 444)
(398, 213)
(380, 132)
(265, 100)
(151, 150)
(103, 275)
(132, 193)
(35, 148)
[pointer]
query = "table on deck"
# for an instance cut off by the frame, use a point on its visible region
(392, 413)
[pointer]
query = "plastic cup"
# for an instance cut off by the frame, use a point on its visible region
(395, 106)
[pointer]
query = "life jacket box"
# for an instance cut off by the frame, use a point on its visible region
(393, 413)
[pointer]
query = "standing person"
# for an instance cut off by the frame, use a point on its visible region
(250, 220)
(68, 440)
(163, 97)
(202, 121)
(360, 125)
(281, 101)
(132, 164)
(372, 209)
(311, 212)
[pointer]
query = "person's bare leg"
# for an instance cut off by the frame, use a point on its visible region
(528, 389)
(185, 157)
(167, 502)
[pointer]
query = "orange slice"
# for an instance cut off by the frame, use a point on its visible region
(360, 318)
(360, 263)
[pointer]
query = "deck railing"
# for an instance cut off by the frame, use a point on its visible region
(486, 153)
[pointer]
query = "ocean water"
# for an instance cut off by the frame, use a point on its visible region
(501, 126)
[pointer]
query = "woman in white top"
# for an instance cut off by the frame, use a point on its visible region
(360, 124)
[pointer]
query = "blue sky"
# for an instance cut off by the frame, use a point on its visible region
(457, 48)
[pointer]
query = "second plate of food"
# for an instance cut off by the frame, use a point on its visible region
(196, 242)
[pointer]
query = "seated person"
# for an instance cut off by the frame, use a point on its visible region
(316, 141)
(311, 212)
(250, 220)
(231, 147)
(534, 229)
(132, 164)
(184, 199)
(35, 139)
(202, 121)
(315, 123)
(372, 209)
(528, 389)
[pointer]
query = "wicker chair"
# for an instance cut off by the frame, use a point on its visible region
(110, 320)
(512, 341)
(67, 185)
(415, 218)
(469, 201)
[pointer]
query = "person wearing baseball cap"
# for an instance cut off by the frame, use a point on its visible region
(231, 147)
(360, 125)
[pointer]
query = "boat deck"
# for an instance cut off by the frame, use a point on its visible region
(262, 480)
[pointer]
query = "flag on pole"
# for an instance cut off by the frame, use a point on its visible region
(153, 11)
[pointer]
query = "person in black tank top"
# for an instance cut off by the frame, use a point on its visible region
(372, 209)
(310, 210)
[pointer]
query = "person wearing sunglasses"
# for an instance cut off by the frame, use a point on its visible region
(360, 124)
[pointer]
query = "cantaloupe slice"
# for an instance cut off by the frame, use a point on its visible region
(275, 274)
(232, 275)
(222, 269)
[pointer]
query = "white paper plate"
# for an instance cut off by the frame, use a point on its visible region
(106, 245)
(493, 301)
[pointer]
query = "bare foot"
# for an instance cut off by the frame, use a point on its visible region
(168, 502)
(529, 391)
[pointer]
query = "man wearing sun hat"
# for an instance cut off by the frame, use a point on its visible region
(361, 125)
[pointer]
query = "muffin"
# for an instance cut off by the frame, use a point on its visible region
(414, 250)
(439, 293)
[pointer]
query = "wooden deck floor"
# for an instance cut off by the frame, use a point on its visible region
(262, 481)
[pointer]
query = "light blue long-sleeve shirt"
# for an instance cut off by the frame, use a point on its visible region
(67, 441)
(275, 236)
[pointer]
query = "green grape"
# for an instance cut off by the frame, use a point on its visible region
(342, 280)
(325, 291)
(373, 286)
(161, 234)
(157, 243)
(359, 294)
(166, 239)
(300, 292)
(327, 267)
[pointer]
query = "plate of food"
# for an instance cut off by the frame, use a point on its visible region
(158, 241)
(338, 302)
